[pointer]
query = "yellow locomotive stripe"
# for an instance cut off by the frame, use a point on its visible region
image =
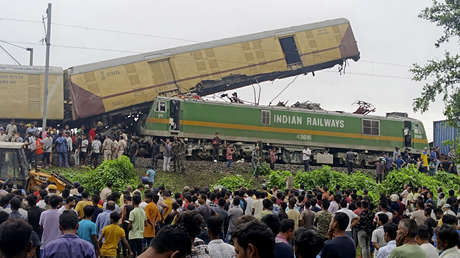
(285, 130)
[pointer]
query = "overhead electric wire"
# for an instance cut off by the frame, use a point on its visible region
(77, 47)
(287, 86)
(102, 29)
(14, 45)
(12, 57)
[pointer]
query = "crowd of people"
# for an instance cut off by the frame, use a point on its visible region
(80, 147)
(152, 221)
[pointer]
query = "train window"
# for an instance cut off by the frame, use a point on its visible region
(265, 117)
(371, 127)
(417, 129)
(291, 54)
(161, 106)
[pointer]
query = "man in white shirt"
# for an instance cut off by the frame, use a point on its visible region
(389, 230)
(217, 247)
(306, 153)
(378, 235)
(422, 238)
(447, 242)
(249, 202)
(353, 218)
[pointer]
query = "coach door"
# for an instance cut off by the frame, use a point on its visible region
(174, 116)
(407, 134)
(291, 54)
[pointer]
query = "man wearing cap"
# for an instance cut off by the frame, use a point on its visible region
(447, 210)
(52, 189)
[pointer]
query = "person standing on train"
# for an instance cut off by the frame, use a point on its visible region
(306, 153)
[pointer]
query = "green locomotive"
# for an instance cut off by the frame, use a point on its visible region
(328, 134)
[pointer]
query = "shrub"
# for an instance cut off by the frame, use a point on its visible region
(278, 179)
(119, 171)
(396, 179)
(233, 182)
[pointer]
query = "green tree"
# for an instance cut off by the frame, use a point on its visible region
(441, 77)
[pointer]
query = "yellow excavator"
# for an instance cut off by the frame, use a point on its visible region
(14, 169)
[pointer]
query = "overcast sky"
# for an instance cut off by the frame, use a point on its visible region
(390, 38)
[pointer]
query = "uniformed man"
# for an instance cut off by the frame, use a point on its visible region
(107, 148)
(255, 160)
(155, 153)
(181, 155)
(175, 153)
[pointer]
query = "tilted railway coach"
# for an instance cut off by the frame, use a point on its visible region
(329, 134)
(130, 84)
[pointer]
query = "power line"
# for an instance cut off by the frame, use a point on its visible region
(12, 57)
(285, 88)
(6, 42)
(384, 63)
(375, 75)
(75, 47)
(103, 30)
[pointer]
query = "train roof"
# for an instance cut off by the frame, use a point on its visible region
(210, 44)
(25, 69)
(339, 113)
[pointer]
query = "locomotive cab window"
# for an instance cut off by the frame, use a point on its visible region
(265, 117)
(161, 106)
(371, 127)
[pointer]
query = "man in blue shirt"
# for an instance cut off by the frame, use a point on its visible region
(103, 219)
(399, 162)
(87, 228)
(149, 177)
(69, 245)
(388, 163)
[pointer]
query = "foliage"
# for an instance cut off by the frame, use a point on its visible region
(396, 179)
(233, 182)
(264, 169)
(321, 177)
(455, 144)
(393, 182)
(278, 178)
(441, 77)
(119, 171)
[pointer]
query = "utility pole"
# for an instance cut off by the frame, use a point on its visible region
(47, 65)
(31, 55)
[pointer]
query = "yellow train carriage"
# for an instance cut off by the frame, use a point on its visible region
(21, 92)
(209, 67)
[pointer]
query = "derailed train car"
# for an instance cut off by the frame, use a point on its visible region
(22, 92)
(329, 134)
(119, 86)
